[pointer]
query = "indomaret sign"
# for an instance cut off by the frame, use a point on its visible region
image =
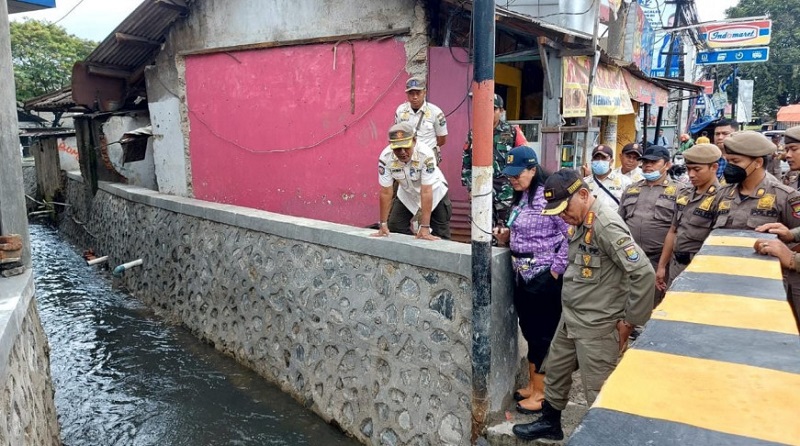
(738, 35)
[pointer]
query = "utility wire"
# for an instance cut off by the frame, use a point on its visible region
(68, 12)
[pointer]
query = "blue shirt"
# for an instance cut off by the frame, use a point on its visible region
(722, 164)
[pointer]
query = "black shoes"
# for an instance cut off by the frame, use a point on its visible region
(547, 426)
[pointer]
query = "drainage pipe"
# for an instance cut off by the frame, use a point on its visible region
(97, 260)
(125, 266)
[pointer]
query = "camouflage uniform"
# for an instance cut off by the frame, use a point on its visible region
(504, 136)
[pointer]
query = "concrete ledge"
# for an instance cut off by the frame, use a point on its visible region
(451, 257)
(718, 363)
(74, 175)
(15, 298)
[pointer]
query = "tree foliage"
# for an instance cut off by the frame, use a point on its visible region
(777, 81)
(43, 54)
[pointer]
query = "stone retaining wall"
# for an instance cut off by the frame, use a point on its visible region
(26, 401)
(372, 334)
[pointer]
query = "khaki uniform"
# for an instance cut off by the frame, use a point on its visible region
(608, 279)
(615, 183)
(694, 217)
(771, 202)
(648, 211)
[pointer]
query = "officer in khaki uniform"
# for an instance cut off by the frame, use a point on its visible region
(608, 289)
(791, 141)
(790, 259)
(695, 210)
(756, 198)
(648, 206)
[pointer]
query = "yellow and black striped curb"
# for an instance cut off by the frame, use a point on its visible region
(718, 363)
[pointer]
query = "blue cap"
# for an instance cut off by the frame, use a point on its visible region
(519, 159)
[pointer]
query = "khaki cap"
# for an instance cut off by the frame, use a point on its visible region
(702, 154)
(749, 143)
(792, 135)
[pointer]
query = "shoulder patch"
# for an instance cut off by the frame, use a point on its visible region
(631, 253)
(623, 241)
(381, 169)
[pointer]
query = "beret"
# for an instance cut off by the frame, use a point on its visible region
(702, 154)
(749, 143)
(792, 135)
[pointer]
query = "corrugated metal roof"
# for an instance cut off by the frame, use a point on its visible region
(59, 100)
(151, 22)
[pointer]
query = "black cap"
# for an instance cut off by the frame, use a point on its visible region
(604, 149)
(558, 188)
(655, 153)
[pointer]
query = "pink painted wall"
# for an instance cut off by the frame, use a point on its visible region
(449, 82)
(261, 123)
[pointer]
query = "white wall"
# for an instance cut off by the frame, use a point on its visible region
(68, 153)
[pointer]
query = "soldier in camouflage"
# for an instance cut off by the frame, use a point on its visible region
(506, 137)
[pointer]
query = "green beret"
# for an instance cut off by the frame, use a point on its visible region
(792, 135)
(749, 143)
(702, 154)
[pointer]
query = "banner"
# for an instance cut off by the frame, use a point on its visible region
(639, 35)
(610, 93)
(744, 104)
(661, 15)
(645, 92)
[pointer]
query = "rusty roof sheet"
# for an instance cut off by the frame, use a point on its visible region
(150, 22)
(59, 100)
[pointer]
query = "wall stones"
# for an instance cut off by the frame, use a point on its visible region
(377, 345)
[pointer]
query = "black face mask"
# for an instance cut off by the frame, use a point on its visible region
(734, 174)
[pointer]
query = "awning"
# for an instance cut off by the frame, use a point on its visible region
(610, 95)
(675, 84)
(645, 92)
(790, 113)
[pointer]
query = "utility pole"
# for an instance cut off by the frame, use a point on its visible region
(590, 87)
(482, 204)
(13, 215)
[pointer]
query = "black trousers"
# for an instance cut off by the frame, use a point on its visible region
(400, 218)
(538, 304)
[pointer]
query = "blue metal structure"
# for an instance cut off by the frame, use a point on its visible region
(15, 6)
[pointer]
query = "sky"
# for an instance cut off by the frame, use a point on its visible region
(96, 19)
(91, 19)
(713, 9)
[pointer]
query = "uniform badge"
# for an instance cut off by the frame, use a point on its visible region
(795, 204)
(587, 259)
(623, 240)
(404, 116)
(430, 166)
(683, 200)
(706, 204)
(712, 190)
(381, 170)
(441, 119)
(586, 273)
(571, 231)
(631, 253)
(761, 192)
(589, 220)
(724, 205)
(587, 238)
(670, 190)
(633, 190)
(767, 202)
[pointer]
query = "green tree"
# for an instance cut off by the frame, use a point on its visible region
(777, 81)
(43, 54)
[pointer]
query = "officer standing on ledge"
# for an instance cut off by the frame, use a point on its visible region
(607, 290)
(427, 120)
(648, 206)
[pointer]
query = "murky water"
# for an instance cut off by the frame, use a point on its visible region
(124, 377)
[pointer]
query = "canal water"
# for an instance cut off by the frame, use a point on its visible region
(125, 377)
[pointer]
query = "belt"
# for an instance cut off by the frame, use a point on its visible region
(683, 257)
(522, 255)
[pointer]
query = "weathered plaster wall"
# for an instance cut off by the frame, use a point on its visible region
(372, 333)
(139, 173)
(208, 30)
(68, 153)
(26, 400)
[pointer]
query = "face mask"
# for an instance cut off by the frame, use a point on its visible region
(734, 174)
(600, 167)
(652, 176)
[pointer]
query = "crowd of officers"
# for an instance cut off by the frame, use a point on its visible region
(629, 231)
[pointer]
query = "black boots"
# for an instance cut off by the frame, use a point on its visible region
(547, 426)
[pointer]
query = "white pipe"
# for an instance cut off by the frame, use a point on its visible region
(97, 260)
(121, 268)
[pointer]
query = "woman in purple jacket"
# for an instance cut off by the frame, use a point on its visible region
(539, 248)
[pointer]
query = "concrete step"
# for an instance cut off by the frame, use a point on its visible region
(499, 433)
